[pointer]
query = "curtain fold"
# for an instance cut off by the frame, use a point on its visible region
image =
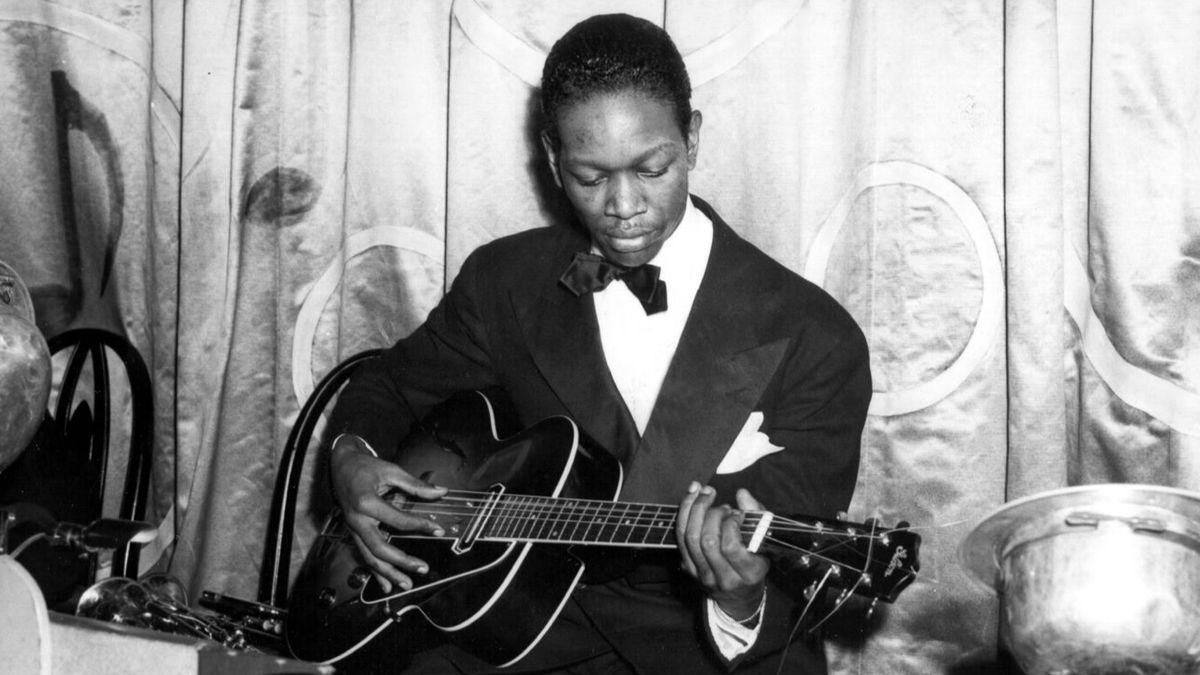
(1004, 196)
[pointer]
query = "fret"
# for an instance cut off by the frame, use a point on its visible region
(527, 519)
(650, 523)
(580, 516)
(623, 525)
(660, 525)
(635, 524)
(570, 521)
(533, 520)
(607, 518)
(557, 518)
(524, 516)
(592, 516)
(544, 522)
(501, 518)
(513, 516)
(604, 520)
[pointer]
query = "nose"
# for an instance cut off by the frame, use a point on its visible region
(624, 198)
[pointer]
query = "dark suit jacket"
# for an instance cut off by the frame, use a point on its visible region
(759, 338)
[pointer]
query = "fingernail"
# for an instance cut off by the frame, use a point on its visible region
(693, 486)
(422, 569)
(708, 490)
(439, 532)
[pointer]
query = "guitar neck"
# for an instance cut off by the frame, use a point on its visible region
(863, 557)
(535, 519)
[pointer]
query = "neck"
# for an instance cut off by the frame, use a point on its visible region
(495, 516)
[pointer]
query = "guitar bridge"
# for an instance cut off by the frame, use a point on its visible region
(483, 514)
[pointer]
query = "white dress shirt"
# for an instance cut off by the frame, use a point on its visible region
(639, 347)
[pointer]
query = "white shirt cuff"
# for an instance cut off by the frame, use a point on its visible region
(731, 637)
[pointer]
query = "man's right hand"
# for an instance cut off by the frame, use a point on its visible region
(360, 481)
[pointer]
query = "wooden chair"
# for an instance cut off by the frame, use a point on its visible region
(273, 582)
(63, 475)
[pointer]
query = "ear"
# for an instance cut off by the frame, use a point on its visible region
(693, 138)
(551, 157)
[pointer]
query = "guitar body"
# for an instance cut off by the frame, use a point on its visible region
(495, 599)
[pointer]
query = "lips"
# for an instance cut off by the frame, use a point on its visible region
(635, 233)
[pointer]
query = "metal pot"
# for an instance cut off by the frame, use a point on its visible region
(24, 368)
(1095, 579)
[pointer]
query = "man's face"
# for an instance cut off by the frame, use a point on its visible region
(624, 163)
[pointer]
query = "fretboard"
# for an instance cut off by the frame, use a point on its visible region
(528, 518)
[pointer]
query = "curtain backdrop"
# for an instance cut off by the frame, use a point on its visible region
(1005, 195)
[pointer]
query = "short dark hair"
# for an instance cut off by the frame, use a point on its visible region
(611, 53)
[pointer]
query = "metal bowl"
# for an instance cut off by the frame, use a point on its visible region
(1095, 579)
(24, 368)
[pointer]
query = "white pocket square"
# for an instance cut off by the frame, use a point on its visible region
(749, 446)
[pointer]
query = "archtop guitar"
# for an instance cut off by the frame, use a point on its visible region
(517, 509)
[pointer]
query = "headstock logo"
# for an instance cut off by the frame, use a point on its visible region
(898, 559)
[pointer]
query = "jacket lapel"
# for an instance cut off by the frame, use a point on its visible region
(718, 374)
(564, 341)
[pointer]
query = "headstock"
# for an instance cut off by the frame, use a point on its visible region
(861, 558)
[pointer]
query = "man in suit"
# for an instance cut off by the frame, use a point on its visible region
(714, 375)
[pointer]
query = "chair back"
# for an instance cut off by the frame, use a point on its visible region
(63, 474)
(273, 581)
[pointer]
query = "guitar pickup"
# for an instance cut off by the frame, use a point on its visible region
(477, 524)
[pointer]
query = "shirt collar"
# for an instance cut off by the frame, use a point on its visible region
(685, 253)
(688, 245)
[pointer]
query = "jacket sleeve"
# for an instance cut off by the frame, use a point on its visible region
(446, 354)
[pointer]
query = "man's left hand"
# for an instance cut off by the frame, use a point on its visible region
(714, 553)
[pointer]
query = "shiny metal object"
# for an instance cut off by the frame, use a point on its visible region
(24, 368)
(153, 604)
(167, 586)
(1095, 579)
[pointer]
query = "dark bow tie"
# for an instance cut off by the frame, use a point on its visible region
(589, 273)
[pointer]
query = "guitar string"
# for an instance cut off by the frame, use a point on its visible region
(558, 503)
(568, 511)
(823, 553)
(559, 529)
(565, 512)
(817, 554)
(817, 589)
(609, 517)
